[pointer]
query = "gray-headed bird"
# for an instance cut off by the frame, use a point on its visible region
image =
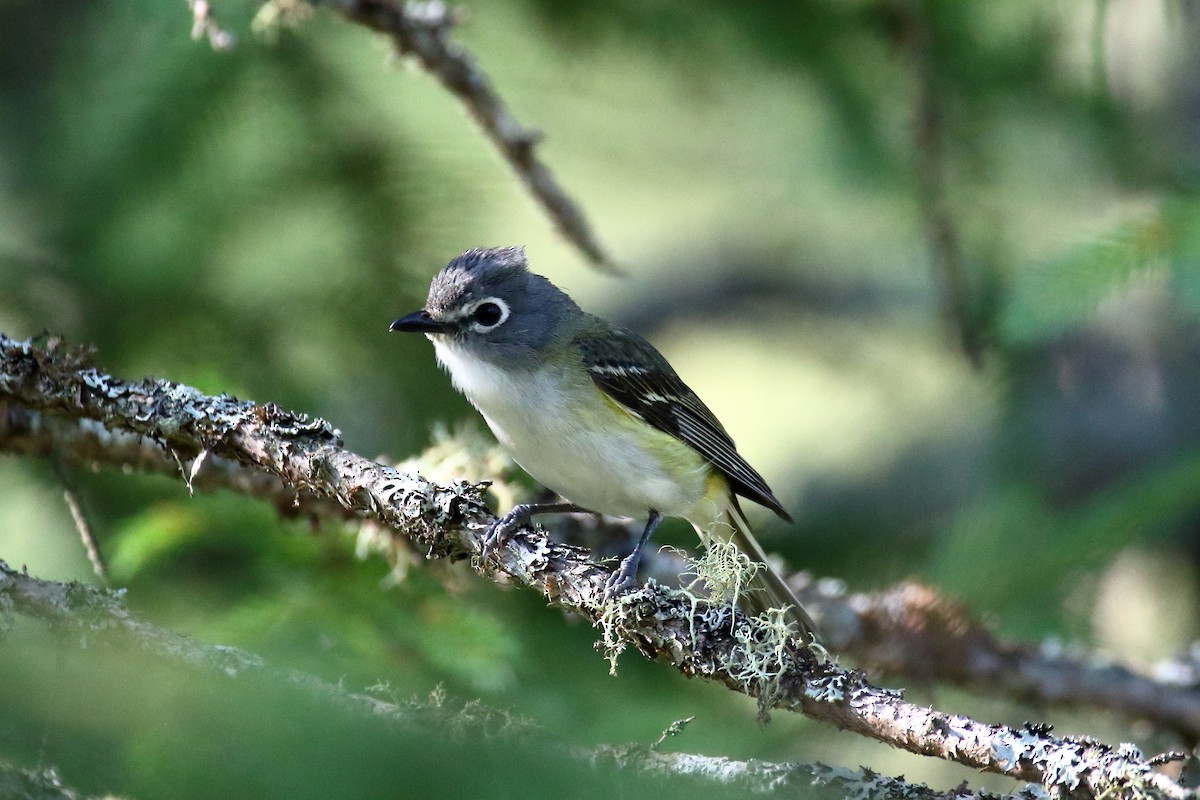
(593, 412)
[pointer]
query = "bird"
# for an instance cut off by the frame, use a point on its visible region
(595, 413)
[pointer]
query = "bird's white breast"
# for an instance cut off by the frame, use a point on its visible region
(562, 430)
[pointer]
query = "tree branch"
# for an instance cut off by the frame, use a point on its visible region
(95, 614)
(88, 444)
(699, 638)
(908, 631)
(422, 30)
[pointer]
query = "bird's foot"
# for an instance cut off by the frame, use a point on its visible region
(503, 528)
(624, 579)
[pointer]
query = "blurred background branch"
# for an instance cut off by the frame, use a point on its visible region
(961, 295)
(96, 618)
(912, 632)
(421, 30)
(41, 784)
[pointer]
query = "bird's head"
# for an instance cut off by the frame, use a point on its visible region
(488, 302)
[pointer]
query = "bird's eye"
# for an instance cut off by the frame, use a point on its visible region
(489, 313)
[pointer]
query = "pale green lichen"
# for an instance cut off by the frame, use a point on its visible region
(615, 628)
(761, 657)
(762, 654)
(721, 572)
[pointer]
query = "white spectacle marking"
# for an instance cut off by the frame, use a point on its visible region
(479, 327)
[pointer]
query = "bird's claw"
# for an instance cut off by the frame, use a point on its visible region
(503, 529)
(623, 579)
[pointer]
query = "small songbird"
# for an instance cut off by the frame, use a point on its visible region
(593, 412)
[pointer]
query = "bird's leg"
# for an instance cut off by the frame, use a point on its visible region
(626, 575)
(520, 516)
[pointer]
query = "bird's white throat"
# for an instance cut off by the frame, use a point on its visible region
(483, 383)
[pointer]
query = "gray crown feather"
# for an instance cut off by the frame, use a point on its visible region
(489, 259)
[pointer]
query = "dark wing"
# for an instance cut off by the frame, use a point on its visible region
(632, 372)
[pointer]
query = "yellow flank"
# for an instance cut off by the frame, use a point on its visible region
(678, 458)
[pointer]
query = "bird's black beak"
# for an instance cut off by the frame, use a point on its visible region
(419, 322)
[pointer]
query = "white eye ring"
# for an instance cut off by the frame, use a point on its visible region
(488, 314)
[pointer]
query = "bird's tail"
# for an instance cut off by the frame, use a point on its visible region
(766, 589)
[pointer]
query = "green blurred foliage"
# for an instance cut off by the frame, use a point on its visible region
(250, 221)
(173, 734)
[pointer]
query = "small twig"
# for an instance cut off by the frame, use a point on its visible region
(960, 304)
(422, 30)
(81, 522)
(674, 729)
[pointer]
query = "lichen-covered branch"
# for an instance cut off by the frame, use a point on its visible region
(908, 631)
(88, 611)
(422, 30)
(88, 444)
(698, 638)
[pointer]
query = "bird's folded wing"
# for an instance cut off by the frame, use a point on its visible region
(628, 368)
